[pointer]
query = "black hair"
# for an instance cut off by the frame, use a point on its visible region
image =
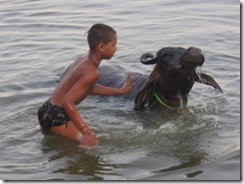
(99, 33)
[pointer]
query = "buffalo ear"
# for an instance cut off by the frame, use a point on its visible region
(145, 95)
(207, 79)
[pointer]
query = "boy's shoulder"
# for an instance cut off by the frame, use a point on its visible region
(92, 73)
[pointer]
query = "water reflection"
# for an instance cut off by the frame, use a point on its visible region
(68, 158)
(193, 160)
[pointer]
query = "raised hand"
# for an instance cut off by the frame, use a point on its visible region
(128, 85)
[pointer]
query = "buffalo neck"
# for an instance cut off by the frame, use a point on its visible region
(172, 103)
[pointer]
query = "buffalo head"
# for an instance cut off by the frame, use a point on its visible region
(172, 78)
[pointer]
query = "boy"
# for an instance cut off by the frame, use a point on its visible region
(59, 114)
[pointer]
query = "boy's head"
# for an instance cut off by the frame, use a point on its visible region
(99, 33)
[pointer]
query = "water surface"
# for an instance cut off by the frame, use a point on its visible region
(39, 39)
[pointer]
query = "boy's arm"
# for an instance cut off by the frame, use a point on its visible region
(76, 94)
(98, 89)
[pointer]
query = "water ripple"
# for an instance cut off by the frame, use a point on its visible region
(40, 38)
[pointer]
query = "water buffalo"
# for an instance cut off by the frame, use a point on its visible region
(169, 83)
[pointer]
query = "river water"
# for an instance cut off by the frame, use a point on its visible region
(40, 38)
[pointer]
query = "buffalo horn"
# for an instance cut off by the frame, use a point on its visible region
(148, 59)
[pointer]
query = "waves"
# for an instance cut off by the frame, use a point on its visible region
(39, 39)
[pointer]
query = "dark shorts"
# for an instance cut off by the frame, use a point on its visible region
(50, 115)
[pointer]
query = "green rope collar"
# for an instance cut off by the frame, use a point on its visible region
(162, 103)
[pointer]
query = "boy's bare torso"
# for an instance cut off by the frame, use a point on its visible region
(77, 71)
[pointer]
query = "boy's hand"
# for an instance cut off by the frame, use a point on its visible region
(89, 140)
(128, 85)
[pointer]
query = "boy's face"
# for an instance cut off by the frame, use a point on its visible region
(109, 48)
